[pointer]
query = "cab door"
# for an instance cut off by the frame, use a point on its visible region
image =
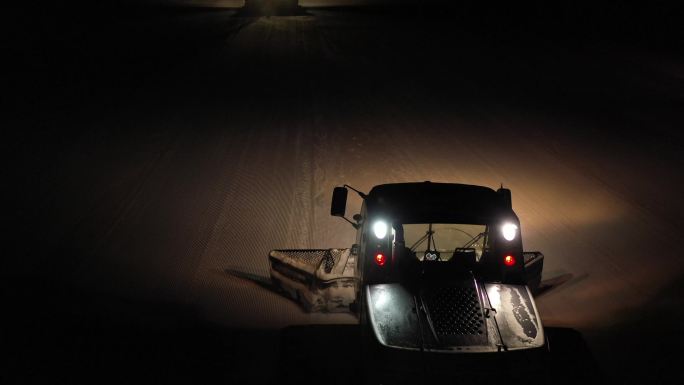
(359, 247)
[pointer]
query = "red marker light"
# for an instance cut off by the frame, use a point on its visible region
(380, 259)
(509, 260)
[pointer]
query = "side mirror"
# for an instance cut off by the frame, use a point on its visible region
(338, 207)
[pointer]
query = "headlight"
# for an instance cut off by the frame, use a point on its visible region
(509, 230)
(380, 229)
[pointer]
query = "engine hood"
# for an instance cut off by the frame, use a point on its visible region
(455, 317)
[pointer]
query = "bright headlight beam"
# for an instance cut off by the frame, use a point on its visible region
(380, 229)
(509, 230)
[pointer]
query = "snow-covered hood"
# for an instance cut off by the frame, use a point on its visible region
(456, 317)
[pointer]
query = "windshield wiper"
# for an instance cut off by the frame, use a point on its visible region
(420, 241)
(473, 240)
(429, 235)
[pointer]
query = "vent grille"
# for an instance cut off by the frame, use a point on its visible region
(455, 311)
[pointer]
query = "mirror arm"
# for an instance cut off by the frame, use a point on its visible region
(362, 195)
(356, 225)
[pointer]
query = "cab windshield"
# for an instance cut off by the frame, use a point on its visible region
(440, 241)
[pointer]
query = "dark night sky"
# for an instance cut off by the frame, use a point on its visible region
(153, 147)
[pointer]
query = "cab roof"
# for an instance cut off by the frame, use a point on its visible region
(426, 202)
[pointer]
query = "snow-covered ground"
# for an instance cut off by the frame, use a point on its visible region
(231, 148)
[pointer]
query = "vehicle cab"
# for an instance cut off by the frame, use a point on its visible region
(441, 268)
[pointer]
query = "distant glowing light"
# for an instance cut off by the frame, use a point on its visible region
(509, 231)
(380, 229)
(509, 260)
(380, 259)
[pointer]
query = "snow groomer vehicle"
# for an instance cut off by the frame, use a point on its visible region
(437, 268)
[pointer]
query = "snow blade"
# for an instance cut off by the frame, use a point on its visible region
(321, 280)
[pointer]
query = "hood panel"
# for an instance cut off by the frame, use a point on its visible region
(392, 314)
(455, 314)
(445, 324)
(516, 315)
(451, 318)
